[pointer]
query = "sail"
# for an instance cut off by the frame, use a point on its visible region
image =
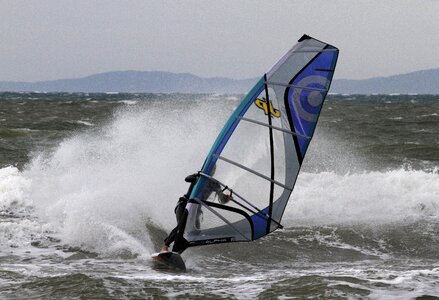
(257, 156)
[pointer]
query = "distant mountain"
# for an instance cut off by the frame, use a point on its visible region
(135, 81)
(421, 82)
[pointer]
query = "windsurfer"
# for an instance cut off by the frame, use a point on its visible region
(213, 186)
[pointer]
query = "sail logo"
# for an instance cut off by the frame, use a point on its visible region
(262, 104)
(307, 102)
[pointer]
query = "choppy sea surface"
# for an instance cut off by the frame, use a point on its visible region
(88, 184)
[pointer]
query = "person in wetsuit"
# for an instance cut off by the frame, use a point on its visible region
(179, 210)
(213, 186)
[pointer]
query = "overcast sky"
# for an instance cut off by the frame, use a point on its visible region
(53, 39)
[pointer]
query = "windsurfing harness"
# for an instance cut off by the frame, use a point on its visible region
(258, 153)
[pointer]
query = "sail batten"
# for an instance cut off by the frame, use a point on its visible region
(316, 51)
(258, 154)
(297, 86)
(254, 172)
(274, 127)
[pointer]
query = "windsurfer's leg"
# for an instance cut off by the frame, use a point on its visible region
(169, 239)
(172, 236)
(199, 218)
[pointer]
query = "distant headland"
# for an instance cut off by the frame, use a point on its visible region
(420, 82)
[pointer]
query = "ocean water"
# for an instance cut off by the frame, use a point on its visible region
(88, 184)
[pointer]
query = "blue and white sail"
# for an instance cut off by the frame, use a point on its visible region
(257, 156)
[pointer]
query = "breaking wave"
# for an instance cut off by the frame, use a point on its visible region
(112, 190)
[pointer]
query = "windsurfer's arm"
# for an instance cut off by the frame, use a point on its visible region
(214, 186)
(222, 197)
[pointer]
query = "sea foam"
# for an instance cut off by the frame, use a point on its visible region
(100, 188)
(366, 197)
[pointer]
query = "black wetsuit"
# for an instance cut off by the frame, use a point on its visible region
(179, 208)
(212, 186)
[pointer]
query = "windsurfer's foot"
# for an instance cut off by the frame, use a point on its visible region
(164, 249)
